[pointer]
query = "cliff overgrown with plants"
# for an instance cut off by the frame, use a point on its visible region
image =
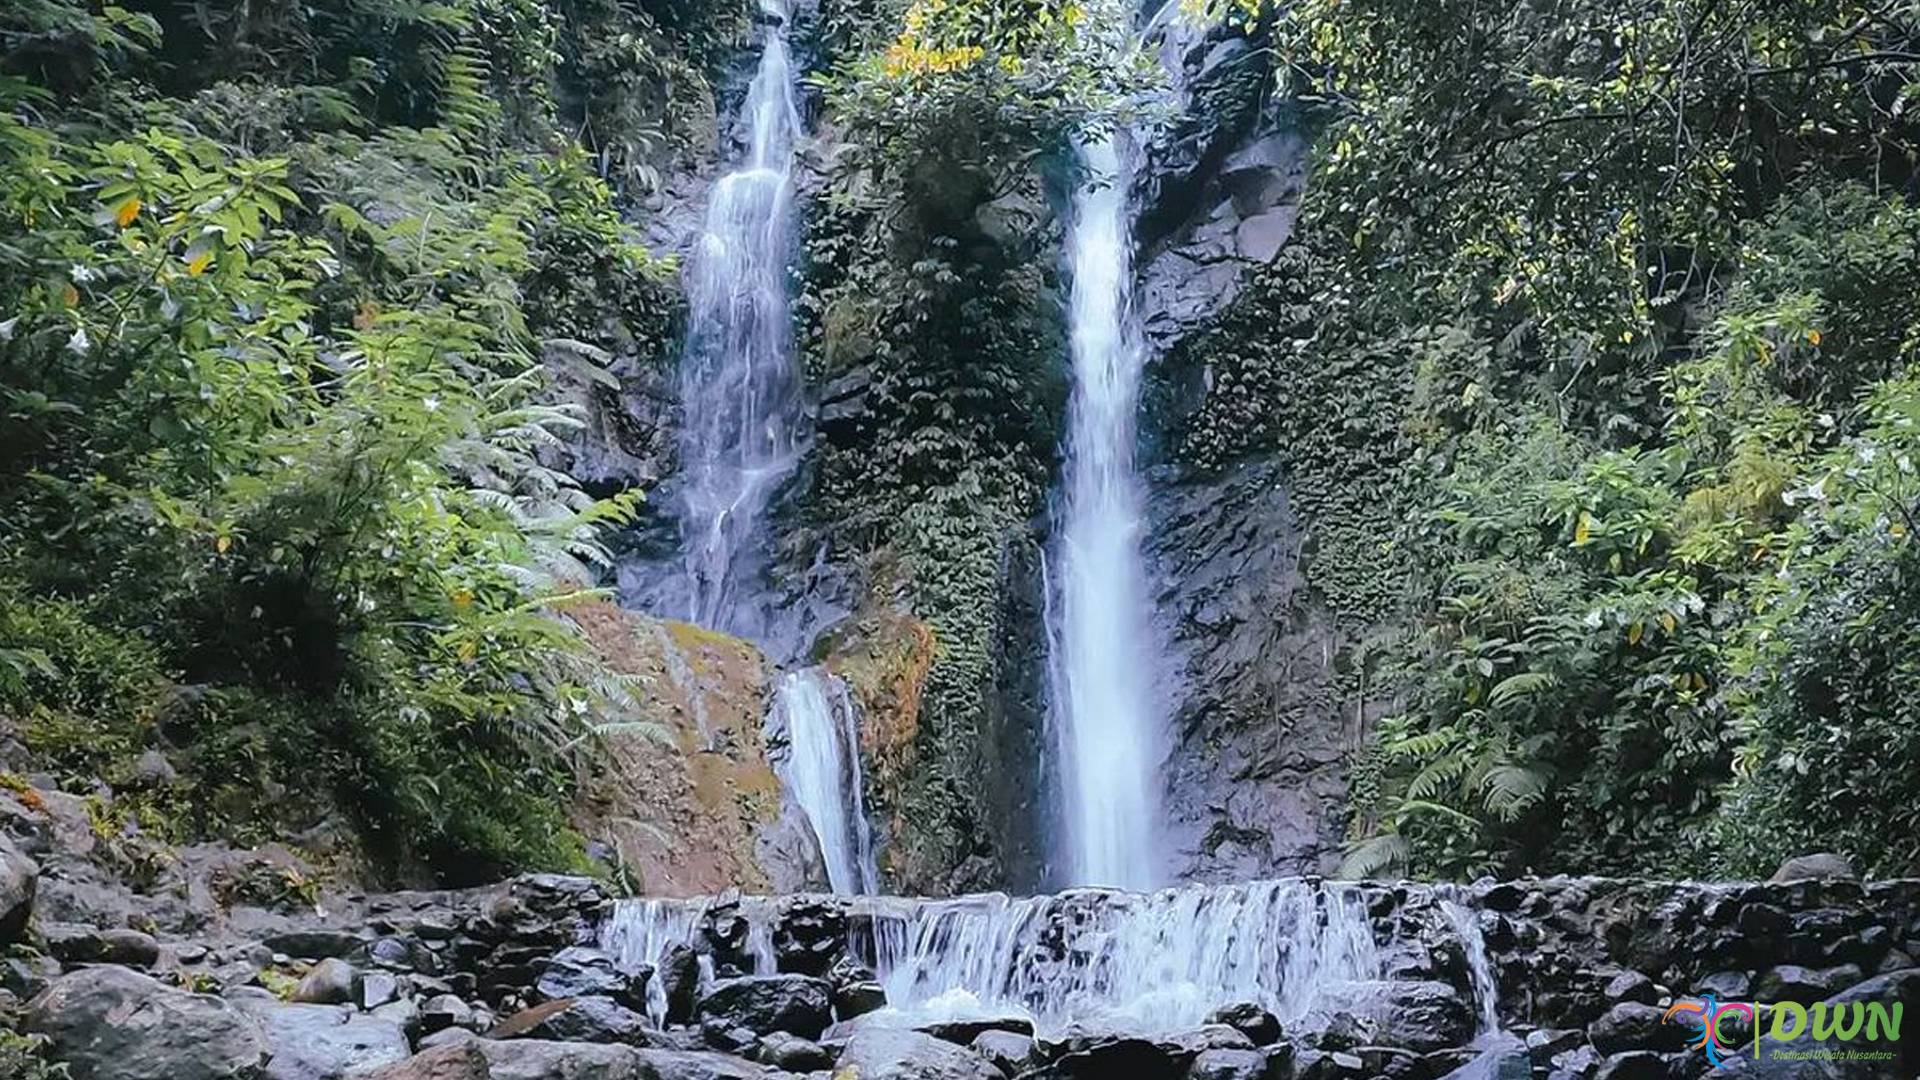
(277, 283)
(1598, 343)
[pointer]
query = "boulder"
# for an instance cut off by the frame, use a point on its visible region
(1136, 1059)
(19, 880)
(1632, 986)
(89, 945)
(1820, 866)
(111, 1023)
(580, 972)
(444, 1011)
(1633, 1065)
(1010, 1052)
(593, 1020)
(858, 999)
(1256, 1023)
(324, 1042)
(797, 1004)
(792, 1053)
(1791, 982)
(679, 978)
(1630, 1025)
(1227, 1064)
(330, 982)
(877, 1053)
(962, 1032)
(1423, 1016)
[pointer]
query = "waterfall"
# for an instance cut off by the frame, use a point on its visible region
(1105, 720)
(1486, 996)
(821, 769)
(739, 386)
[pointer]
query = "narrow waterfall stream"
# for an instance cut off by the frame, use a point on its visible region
(814, 713)
(1106, 722)
(739, 384)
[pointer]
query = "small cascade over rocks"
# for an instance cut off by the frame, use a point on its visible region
(740, 393)
(1141, 963)
(814, 731)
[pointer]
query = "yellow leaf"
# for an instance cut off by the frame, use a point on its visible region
(1633, 634)
(466, 650)
(1583, 528)
(1897, 529)
(128, 211)
(222, 544)
(1813, 336)
(69, 295)
(1667, 621)
(199, 264)
(462, 598)
(1699, 681)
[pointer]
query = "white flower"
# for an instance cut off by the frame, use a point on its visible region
(81, 274)
(78, 343)
(6, 328)
(431, 402)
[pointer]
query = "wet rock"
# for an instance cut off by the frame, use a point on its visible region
(858, 999)
(19, 880)
(86, 945)
(111, 1023)
(1256, 1023)
(1127, 1057)
(1544, 1043)
(792, 1053)
(583, 972)
(877, 1053)
(1008, 1051)
(447, 1037)
(374, 989)
(679, 977)
(692, 1065)
(1633, 1026)
(329, 983)
(324, 1042)
(444, 1011)
(797, 1004)
(1791, 982)
(1187, 1045)
(1633, 1065)
(1821, 866)
(1423, 1016)
(963, 1032)
(593, 1020)
(315, 944)
(1227, 1064)
(1632, 986)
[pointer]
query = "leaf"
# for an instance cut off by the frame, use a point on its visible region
(1525, 684)
(127, 211)
(1583, 528)
(1633, 633)
(223, 543)
(199, 263)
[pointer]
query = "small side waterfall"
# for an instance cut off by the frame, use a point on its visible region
(815, 714)
(739, 385)
(1106, 717)
(1486, 993)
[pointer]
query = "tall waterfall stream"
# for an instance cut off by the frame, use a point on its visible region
(739, 382)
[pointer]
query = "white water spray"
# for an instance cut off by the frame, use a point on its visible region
(739, 385)
(821, 768)
(1106, 716)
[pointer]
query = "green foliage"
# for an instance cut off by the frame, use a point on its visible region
(276, 424)
(21, 1057)
(1585, 291)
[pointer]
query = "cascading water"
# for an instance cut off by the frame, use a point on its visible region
(815, 714)
(739, 386)
(1479, 969)
(1105, 717)
(1158, 962)
(1145, 963)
